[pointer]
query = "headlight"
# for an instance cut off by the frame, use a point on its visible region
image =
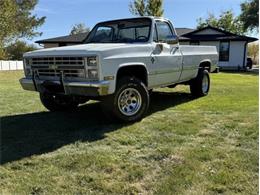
(92, 67)
(92, 61)
(27, 68)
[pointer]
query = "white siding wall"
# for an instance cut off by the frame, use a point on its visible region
(236, 50)
(236, 54)
(210, 43)
(11, 65)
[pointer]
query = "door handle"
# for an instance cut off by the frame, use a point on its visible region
(152, 59)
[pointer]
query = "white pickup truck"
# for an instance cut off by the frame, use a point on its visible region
(119, 63)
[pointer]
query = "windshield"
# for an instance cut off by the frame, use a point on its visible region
(121, 31)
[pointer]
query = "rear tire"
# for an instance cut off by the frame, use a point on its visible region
(200, 86)
(58, 102)
(130, 101)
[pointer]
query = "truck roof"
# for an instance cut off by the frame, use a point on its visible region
(139, 17)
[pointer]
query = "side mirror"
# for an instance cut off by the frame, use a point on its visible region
(171, 40)
(158, 48)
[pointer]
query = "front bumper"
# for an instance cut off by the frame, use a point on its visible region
(97, 88)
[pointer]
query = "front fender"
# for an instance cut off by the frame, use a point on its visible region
(139, 70)
(134, 64)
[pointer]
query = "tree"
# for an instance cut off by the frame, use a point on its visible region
(253, 51)
(226, 21)
(17, 21)
(250, 15)
(147, 7)
(154, 8)
(16, 50)
(79, 28)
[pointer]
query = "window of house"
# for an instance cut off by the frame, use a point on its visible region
(194, 43)
(224, 51)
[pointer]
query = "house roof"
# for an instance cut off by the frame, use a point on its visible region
(182, 31)
(217, 38)
(185, 34)
(220, 35)
(77, 38)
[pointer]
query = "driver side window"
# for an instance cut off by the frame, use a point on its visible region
(164, 31)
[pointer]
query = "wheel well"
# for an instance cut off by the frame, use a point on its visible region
(137, 71)
(205, 65)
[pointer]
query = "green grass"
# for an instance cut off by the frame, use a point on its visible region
(184, 145)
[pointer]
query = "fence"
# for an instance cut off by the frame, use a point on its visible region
(11, 65)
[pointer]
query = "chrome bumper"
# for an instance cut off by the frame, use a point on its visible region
(99, 88)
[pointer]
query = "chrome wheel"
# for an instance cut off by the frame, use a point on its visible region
(129, 101)
(205, 84)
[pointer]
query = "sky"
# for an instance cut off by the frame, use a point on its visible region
(61, 15)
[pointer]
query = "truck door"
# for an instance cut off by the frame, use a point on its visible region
(166, 56)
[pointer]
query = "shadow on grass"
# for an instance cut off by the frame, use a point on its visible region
(38, 133)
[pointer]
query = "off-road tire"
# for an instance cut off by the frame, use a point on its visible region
(197, 85)
(111, 104)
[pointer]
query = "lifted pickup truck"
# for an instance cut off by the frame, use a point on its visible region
(119, 63)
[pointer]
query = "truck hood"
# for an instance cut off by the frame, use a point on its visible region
(81, 50)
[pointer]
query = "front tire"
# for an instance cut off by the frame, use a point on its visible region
(58, 102)
(200, 86)
(130, 101)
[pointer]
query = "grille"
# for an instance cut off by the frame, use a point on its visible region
(55, 66)
(58, 60)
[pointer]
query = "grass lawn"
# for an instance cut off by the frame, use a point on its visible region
(184, 146)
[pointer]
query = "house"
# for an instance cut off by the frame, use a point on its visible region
(232, 48)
